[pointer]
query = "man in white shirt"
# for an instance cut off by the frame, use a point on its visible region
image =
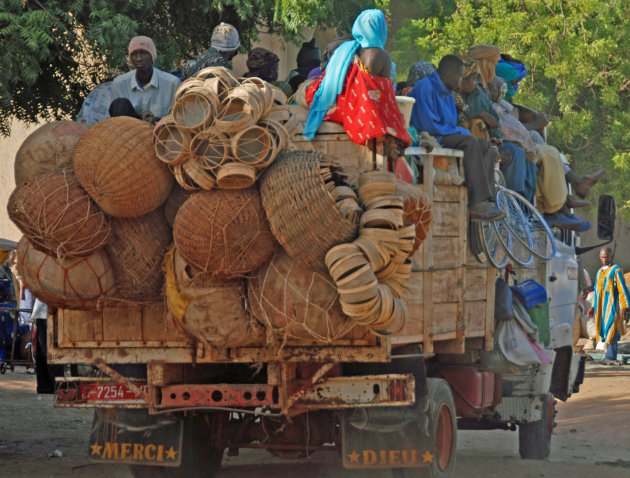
(146, 92)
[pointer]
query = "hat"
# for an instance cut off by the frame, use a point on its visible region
(483, 50)
(142, 43)
(470, 66)
(225, 37)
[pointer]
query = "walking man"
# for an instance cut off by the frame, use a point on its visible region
(611, 297)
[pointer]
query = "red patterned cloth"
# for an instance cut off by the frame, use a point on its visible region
(366, 107)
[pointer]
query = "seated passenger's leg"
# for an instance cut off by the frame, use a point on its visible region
(551, 191)
(122, 107)
(515, 173)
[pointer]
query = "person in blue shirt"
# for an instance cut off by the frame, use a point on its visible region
(146, 92)
(435, 112)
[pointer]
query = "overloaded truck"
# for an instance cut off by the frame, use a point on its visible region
(170, 405)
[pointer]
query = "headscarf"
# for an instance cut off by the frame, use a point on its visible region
(487, 57)
(470, 66)
(225, 37)
(262, 63)
(369, 31)
(419, 70)
(509, 74)
(496, 89)
(520, 68)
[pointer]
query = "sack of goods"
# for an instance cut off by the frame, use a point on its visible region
(249, 242)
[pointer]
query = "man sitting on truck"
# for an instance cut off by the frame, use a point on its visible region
(435, 112)
(146, 92)
(223, 47)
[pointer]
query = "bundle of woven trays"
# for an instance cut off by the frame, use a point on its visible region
(222, 132)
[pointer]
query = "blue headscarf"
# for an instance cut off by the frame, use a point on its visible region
(369, 31)
(520, 68)
(509, 74)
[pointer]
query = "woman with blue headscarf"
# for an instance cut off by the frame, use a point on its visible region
(356, 89)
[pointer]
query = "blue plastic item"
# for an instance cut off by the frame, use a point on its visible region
(530, 293)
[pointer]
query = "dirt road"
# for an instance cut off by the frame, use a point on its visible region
(592, 439)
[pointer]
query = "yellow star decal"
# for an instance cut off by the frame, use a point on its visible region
(170, 454)
(95, 449)
(427, 457)
(354, 457)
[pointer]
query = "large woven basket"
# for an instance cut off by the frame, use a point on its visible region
(224, 232)
(116, 164)
(56, 214)
(417, 210)
(48, 149)
(136, 251)
(72, 283)
(296, 301)
(301, 209)
(210, 310)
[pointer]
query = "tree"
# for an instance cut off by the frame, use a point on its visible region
(55, 51)
(578, 70)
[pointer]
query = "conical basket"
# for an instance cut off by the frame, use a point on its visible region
(196, 109)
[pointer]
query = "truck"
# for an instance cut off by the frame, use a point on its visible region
(169, 406)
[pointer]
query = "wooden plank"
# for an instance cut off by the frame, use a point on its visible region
(475, 318)
(491, 280)
(475, 284)
(157, 325)
(427, 259)
(445, 287)
(122, 324)
(79, 326)
(447, 193)
(446, 251)
(459, 345)
(446, 216)
(413, 297)
(443, 320)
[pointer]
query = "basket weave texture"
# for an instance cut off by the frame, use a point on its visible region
(300, 208)
(175, 199)
(136, 251)
(56, 214)
(72, 283)
(116, 164)
(210, 310)
(224, 232)
(417, 211)
(296, 301)
(48, 149)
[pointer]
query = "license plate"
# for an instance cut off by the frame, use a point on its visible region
(113, 391)
(135, 437)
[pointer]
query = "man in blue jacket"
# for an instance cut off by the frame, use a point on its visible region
(434, 112)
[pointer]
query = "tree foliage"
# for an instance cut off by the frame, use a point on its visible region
(578, 69)
(55, 51)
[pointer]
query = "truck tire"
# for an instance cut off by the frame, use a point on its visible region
(534, 439)
(199, 459)
(443, 429)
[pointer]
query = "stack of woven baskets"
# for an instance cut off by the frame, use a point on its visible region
(287, 251)
(222, 132)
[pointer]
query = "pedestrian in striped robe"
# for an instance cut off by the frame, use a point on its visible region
(611, 297)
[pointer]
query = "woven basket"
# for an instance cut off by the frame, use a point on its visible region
(136, 250)
(187, 85)
(266, 90)
(224, 232)
(417, 210)
(196, 109)
(56, 214)
(211, 149)
(48, 149)
(202, 177)
(72, 283)
(252, 145)
(236, 176)
(116, 164)
(296, 301)
(283, 115)
(211, 310)
(278, 133)
(279, 96)
(182, 178)
(174, 201)
(218, 72)
(300, 208)
(172, 143)
(242, 106)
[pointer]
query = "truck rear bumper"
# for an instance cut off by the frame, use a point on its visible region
(329, 393)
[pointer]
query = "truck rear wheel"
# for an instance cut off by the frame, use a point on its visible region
(534, 439)
(199, 459)
(443, 433)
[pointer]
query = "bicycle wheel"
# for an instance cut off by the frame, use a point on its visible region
(517, 252)
(491, 245)
(475, 244)
(527, 224)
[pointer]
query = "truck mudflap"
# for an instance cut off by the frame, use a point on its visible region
(135, 437)
(385, 437)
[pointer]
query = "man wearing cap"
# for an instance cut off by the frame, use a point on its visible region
(145, 92)
(223, 47)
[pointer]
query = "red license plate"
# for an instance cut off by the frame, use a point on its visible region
(113, 391)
